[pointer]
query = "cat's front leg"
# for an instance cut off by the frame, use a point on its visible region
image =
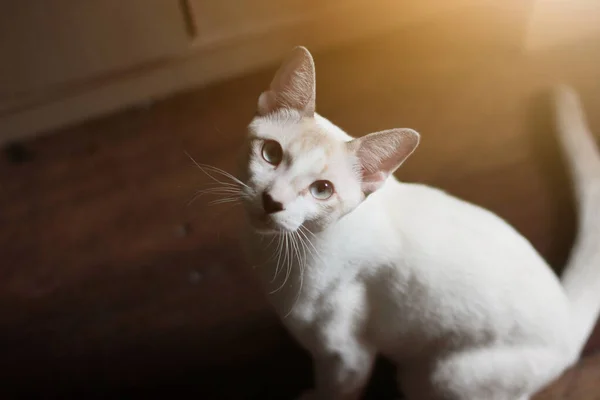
(342, 374)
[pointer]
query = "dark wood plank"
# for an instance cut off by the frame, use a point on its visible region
(579, 383)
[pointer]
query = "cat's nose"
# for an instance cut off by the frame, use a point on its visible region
(271, 206)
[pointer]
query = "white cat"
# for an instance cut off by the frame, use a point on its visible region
(359, 264)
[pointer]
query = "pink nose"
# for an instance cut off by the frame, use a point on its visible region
(271, 206)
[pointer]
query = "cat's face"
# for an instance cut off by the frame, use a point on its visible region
(297, 174)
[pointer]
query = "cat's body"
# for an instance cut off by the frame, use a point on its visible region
(415, 268)
(460, 301)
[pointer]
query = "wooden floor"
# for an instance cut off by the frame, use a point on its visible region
(112, 285)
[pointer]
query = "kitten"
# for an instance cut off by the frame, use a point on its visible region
(359, 264)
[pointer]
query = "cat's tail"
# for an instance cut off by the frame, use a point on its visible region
(581, 278)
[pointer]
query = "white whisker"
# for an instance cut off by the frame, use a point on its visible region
(286, 261)
(303, 231)
(274, 253)
(278, 251)
(230, 192)
(225, 200)
(232, 185)
(224, 173)
(304, 249)
(302, 260)
(206, 169)
(219, 190)
(271, 241)
(215, 191)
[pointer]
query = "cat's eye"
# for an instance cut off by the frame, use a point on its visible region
(321, 190)
(272, 152)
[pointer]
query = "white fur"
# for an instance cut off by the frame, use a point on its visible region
(457, 298)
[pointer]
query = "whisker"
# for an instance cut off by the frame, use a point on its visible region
(271, 241)
(222, 172)
(304, 249)
(225, 200)
(227, 185)
(287, 262)
(302, 264)
(278, 251)
(205, 168)
(279, 254)
(274, 253)
(220, 189)
(294, 247)
(221, 186)
(303, 231)
(290, 264)
(215, 191)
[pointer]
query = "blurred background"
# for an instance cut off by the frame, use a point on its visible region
(112, 285)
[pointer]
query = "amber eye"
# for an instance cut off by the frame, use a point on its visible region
(272, 152)
(321, 190)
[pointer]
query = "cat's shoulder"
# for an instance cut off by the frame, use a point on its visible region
(421, 201)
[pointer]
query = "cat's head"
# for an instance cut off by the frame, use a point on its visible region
(302, 170)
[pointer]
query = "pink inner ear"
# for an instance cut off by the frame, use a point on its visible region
(381, 153)
(293, 86)
(371, 181)
(267, 102)
(377, 176)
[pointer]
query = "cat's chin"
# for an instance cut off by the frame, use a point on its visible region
(266, 226)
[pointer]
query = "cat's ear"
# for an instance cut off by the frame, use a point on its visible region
(379, 154)
(293, 85)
